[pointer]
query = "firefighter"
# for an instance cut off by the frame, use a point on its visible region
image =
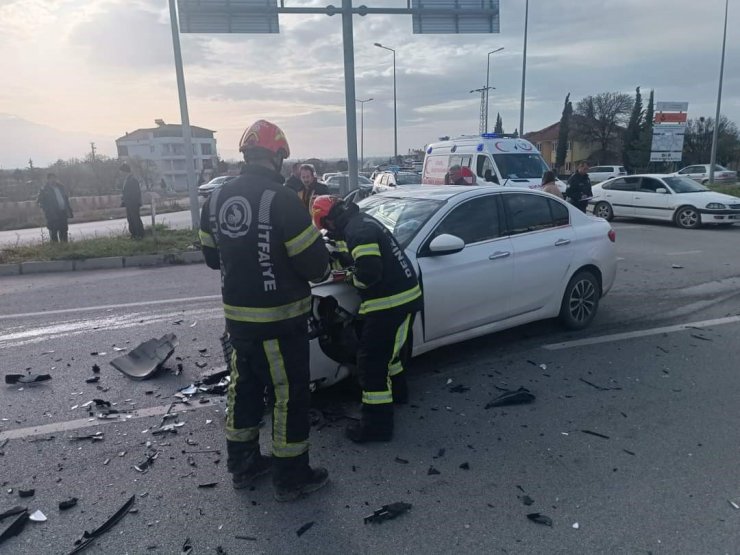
(260, 236)
(390, 294)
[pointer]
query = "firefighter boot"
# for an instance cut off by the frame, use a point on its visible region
(293, 478)
(246, 463)
(376, 424)
(400, 389)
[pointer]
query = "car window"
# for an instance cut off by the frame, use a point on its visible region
(681, 184)
(622, 184)
(719, 168)
(483, 165)
(559, 212)
(408, 179)
(527, 213)
(473, 221)
(598, 169)
(520, 166)
(650, 185)
(622, 169)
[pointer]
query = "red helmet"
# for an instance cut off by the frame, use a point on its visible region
(467, 174)
(265, 136)
(321, 208)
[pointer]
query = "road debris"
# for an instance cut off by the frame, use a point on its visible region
(540, 519)
(388, 512)
(576, 525)
(399, 460)
(597, 434)
(459, 388)
(94, 379)
(465, 466)
(734, 505)
(526, 499)
(433, 471)
(89, 537)
(12, 379)
(97, 436)
(96, 369)
(697, 336)
(676, 266)
(600, 388)
(26, 492)
(629, 452)
(144, 466)
(247, 538)
(144, 360)
(38, 516)
(67, 504)
(187, 547)
(17, 526)
(305, 528)
(208, 485)
(519, 397)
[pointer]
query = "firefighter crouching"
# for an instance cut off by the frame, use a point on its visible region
(390, 294)
(260, 236)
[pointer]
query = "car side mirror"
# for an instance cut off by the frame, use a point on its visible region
(446, 244)
(662, 191)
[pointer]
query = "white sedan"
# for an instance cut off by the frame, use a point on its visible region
(488, 258)
(671, 198)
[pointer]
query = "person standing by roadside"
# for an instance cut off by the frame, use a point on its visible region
(310, 186)
(131, 199)
(579, 192)
(550, 184)
(261, 238)
(54, 201)
(294, 181)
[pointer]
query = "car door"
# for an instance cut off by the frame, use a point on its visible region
(619, 193)
(698, 173)
(542, 238)
(472, 287)
(649, 203)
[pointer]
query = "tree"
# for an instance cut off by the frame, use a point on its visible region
(600, 119)
(499, 125)
(563, 134)
(631, 142)
(642, 159)
(697, 146)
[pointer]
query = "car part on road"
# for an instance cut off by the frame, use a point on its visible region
(580, 301)
(597, 434)
(26, 492)
(519, 397)
(89, 537)
(527, 500)
(17, 526)
(12, 379)
(37, 516)
(388, 512)
(305, 528)
(540, 519)
(97, 436)
(94, 379)
(465, 466)
(687, 217)
(143, 361)
(67, 504)
(604, 210)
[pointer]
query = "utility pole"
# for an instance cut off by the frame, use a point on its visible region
(715, 135)
(482, 123)
(92, 153)
(524, 69)
(488, 78)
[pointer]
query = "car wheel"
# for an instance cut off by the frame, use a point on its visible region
(604, 210)
(687, 217)
(704, 181)
(581, 301)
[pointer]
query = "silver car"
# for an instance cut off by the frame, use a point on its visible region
(700, 174)
(597, 174)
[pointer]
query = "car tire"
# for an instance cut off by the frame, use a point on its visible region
(687, 217)
(580, 301)
(705, 182)
(604, 210)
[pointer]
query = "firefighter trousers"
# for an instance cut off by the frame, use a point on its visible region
(382, 337)
(282, 366)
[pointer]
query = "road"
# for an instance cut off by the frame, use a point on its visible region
(656, 376)
(175, 220)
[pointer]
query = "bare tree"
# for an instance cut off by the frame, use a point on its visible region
(698, 141)
(600, 118)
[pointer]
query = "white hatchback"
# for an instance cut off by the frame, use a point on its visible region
(597, 174)
(672, 198)
(488, 258)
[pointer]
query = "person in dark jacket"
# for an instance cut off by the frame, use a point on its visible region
(294, 181)
(578, 192)
(260, 236)
(391, 296)
(131, 199)
(54, 201)
(310, 187)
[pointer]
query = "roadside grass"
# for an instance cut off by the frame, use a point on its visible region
(726, 188)
(115, 244)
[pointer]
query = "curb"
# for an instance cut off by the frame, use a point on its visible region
(108, 263)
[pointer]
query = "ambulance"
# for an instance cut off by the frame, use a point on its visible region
(492, 158)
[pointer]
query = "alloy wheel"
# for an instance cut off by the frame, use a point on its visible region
(582, 300)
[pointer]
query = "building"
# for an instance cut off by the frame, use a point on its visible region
(546, 141)
(161, 150)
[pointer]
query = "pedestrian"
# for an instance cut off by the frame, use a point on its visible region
(294, 181)
(390, 295)
(579, 192)
(54, 201)
(131, 199)
(163, 186)
(311, 187)
(260, 236)
(550, 185)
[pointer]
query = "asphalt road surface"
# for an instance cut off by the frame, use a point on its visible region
(87, 230)
(631, 445)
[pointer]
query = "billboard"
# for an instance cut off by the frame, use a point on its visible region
(667, 143)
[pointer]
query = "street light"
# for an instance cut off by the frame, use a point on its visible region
(362, 130)
(524, 69)
(715, 135)
(488, 75)
(395, 113)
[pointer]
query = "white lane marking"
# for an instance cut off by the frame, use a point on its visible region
(70, 425)
(110, 307)
(640, 333)
(682, 253)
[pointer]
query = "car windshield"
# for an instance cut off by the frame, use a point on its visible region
(681, 184)
(408, 179)
(520, 166)
(403, 217)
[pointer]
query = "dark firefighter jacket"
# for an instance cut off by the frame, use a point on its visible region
(261, 237)
(383, 274)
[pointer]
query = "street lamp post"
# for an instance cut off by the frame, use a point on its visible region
(395, 112)
(524, 69)
(488, 75)
(715, 135)
(362, 130)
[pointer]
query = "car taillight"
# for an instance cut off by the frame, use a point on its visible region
(612, 235)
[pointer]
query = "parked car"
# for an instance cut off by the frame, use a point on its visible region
(489, 258)
(700, 173)
(388, 181)
(336, 181)
(207, 188)
(673, 198)
(602, 173)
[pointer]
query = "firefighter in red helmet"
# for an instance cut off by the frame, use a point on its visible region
(390, 294)
(260, 236)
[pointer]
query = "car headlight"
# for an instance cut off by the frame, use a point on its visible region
(716, 206)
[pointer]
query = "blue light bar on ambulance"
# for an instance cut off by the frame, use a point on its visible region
(490, 135)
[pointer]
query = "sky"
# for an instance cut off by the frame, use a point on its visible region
(76, 71)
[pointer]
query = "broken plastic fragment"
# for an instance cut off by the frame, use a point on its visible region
(15, 527)
(187, 547)
(465, 466)
(432, 471)
(527, 500)
(540, 519)
(89, 537)
(96, 369)
(67, 504)
(208, 485)
(401, 461)
(734, 505)
(143, 466)
(38, 516)
(576, 525)
(26, 492)
(519, 397)
(589, 432)
(12, 512)
(97, 436)
(305, 528)
(388, 512)
(12, 379)
(147, 358)
(94, 379)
